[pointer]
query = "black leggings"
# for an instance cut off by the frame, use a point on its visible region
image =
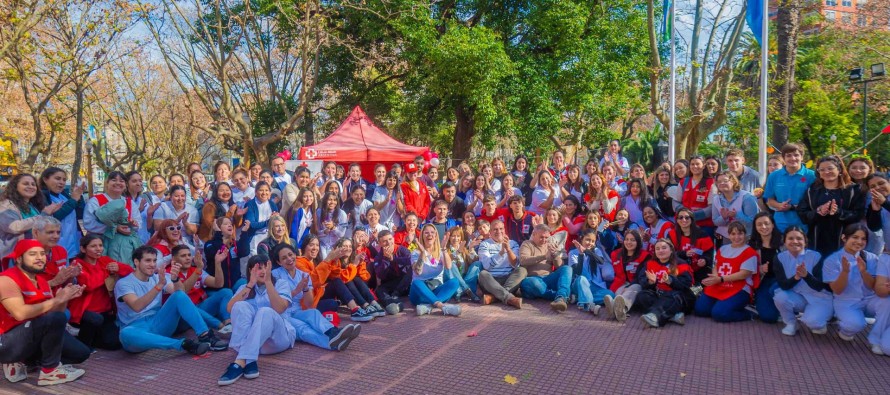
(39, 339)
(336, 290)
(99, 331)
(391, 290)
(360, 291)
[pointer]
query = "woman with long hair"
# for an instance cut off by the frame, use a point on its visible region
(464, 267)
(222, 172)
(199, 189)
(481, 189)
(169, 234)
(680, 170)
(697, 193)
(573, 184)
(729, 287)
(301, 214)
(661, 181)
(225, 239)
(667, 295)
(850, 273)
(259, 210)
(52, 183)
(428, 288)
(278, 234)
(113, 216)
(766, 240)
(143, 201)
(20, 203)
(389, 203)
(731, 204)
(220, 204)
(656, 228)
(832, 202)
(547, 194)
(695, 247)
(629, 264)
(861, 169)
(601, 198)
(635, 200)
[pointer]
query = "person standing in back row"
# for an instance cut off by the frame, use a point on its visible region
(787, 186)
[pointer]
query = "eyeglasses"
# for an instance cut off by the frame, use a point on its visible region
(683, 217)
(173, 228)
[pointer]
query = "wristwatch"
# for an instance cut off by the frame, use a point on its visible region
(175, 279)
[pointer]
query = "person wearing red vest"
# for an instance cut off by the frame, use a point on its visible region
(48, 231)
(93, 312)
(666, 294)
(698, 190)
(32, 319)
(211, 305)
(415, 193)
(729, 287)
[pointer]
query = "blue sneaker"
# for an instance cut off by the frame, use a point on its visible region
(232, 374)
(251, 370)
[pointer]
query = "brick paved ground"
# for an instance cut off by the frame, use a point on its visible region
(573, 353)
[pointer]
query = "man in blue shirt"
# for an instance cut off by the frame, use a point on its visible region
(786, 186)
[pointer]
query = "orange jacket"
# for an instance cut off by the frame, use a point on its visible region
(319, 274)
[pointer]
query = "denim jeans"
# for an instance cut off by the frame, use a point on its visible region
(213, 309)
(360, 291)
(467, 281)
(41, 337)
(557, 284)
(731, 309)
(154, 332)
(422, 294)
(589, 292)
(763, 300)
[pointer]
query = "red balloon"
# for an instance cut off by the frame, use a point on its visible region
(426, 166)
(435, 154)
(427, 155)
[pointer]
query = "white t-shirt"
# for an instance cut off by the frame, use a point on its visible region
(132, 285)
(389, 215)
(166, 211)
(541, 195)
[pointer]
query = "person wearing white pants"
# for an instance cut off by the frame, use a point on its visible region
(879, 337)
(258, 322)
(850, 272)
(310, 326)
(801, 289)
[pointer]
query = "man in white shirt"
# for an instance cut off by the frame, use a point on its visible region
(501, 273)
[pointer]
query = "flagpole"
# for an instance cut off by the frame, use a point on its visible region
(764, 63)
(672, 138)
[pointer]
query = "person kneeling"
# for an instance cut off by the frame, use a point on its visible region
(728, 288)
(145, 322)
(32, 320)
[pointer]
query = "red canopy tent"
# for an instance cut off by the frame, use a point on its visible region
(357, 140)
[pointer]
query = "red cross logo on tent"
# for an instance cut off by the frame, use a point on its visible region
(725, 269)
(311, 153)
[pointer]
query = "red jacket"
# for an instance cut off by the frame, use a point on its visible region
(626, 272)
(95, 297)
(418, 201)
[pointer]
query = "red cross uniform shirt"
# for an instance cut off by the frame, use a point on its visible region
(660, 270)
(731, 260)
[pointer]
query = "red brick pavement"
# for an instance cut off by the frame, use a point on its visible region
(573, 353)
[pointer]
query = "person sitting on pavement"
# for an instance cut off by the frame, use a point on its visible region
(628, 263)
(666, 294)
(32, 319)
(539, 257)
(428, 289)
(333, 292)
(729, 287)
(501, 273)
(850, 272)
(798, 272)
(310, 325)
(195, 279)
(93, 313)
(592, 270)
(392, 268)
(146, 323)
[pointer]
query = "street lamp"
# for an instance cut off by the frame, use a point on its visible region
(857, 76)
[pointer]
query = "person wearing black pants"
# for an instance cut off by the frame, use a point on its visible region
(99, 331)
(666, 294)
(32, 319)
(392, 268)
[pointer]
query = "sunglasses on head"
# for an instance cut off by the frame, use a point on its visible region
(173, 228)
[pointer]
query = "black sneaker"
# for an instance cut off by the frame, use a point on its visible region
(195, 347)
(216, 344)
(360, 315)
(356, 330)
(339, 336)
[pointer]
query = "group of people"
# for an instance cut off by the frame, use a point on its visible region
(268, 257)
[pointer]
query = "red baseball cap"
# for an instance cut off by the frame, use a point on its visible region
(411, 168)
(333, 317)
(20, 249)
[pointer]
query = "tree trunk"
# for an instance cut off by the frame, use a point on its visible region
(464, 130)
(308, 129)
(787, 29)
(79, 137)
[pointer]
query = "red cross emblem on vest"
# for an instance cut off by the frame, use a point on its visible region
(725, 269)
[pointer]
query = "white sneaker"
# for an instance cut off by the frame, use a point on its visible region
(845, 337)
(819, 331)
(72, 330)
(650, 319)
(876, 349)
(451, 309)
(15, 372)
(870, 320)
(225, 330)
(789, 329)
(60, 375)
(423, 309)
(607, 303)
(679, 318)
(619, 306)
(596, 309)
